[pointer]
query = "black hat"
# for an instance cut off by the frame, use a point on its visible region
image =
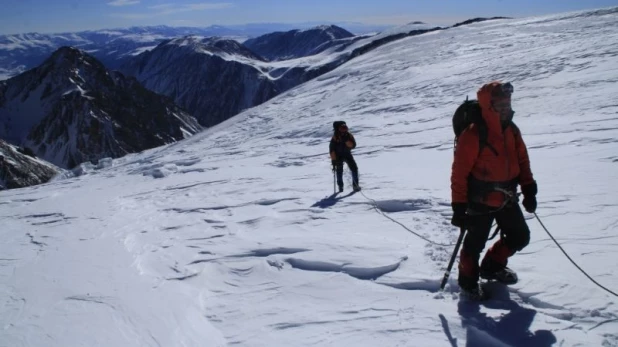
(337, 124)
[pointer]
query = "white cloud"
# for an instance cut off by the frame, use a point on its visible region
(166, 9)
(209, 6)
(131, 15)
(163, 9)
(123, 2)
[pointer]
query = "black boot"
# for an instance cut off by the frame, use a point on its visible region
(471, 289)
(475, 293)
(503, 275)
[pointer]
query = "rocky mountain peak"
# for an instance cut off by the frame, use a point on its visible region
(71, 109)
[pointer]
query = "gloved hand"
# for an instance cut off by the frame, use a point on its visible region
(334, 163)
(459, 214)
(529, 201)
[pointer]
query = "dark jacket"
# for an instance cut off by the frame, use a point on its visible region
(341, 145)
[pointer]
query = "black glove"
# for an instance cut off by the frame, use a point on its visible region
(334, 163)
(459, 214)
(529, 192)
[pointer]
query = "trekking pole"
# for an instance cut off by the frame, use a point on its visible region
(462, 232)
(334, 182)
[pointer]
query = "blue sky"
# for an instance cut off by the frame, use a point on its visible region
(17, 16)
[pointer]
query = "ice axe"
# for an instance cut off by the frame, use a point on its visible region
(462, 232)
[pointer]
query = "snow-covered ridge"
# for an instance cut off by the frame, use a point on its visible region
(295, 43)
(213, 45)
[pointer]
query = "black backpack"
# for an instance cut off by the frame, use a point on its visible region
(469, 112)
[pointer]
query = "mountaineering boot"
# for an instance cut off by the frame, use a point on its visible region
(471, 288)
(340, 189)
(504, 275)
(474, 292)
(356, 187)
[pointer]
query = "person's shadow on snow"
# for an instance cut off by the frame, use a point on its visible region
(512, 329)
(331, 200)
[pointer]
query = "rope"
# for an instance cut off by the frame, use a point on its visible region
(375, 206)
(571, 260)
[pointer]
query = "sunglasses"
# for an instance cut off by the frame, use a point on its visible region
(503, 90)
(499, 105)
(502, 107)
(507, 88)
(343, 127)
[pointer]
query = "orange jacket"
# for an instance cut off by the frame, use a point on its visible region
(509, 162)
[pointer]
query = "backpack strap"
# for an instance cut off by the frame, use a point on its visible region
(516, 133)
(515, 128)
(483, 135)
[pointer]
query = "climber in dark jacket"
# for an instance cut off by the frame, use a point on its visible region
(341, 145)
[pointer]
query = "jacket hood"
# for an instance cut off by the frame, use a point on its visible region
(485, 95)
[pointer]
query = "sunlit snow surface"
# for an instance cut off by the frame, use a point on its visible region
(230, 237)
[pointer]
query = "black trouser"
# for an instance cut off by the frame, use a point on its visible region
(348, 159)
(515, 235)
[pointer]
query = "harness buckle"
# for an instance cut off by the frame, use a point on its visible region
(510, 196)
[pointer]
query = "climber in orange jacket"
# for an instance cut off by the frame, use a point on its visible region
(484, 183)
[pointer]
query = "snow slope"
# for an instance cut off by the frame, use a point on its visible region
(232, 237)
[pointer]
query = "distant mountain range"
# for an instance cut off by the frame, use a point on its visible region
(114, 47)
